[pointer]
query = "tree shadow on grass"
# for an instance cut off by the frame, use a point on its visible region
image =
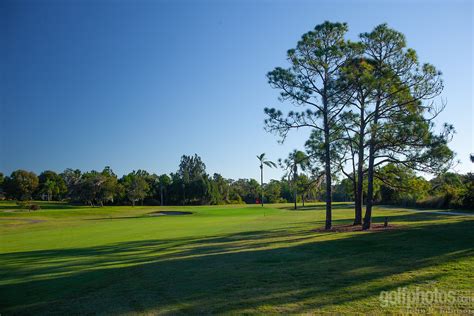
(293, 271)
(43, 204)
(433, 209)
(316, 207)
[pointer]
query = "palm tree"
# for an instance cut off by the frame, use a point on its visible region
(264, 161)
(295, 159)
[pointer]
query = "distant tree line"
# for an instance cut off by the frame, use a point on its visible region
(191, 185)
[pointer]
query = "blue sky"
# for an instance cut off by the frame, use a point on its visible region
(136, 84)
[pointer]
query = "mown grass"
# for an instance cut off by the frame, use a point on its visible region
(224, 259)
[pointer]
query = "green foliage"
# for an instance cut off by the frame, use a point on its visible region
(450, 190)
(468, 196)
(246, 190)
(394, 184)
(273, 191)
(72, 179)
(21, 185)
(34, 207)
(51, 186)
(2, 181)
(164, 182)
(400, 185)
(136, 186)
(264, 161)
(23, 204)
(343, 191)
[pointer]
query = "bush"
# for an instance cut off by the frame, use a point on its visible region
(27, 205)
(468, 196)
(450, 199)
(238, 201)
(34, 207)
(23, 204)
(152, 202)
(438, 201)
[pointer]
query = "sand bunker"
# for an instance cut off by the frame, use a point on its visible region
(161, 213)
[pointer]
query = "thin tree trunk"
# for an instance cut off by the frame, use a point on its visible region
(370, 190)
(294, 182)
(356, 199)
(353, 178)
(295, 197)
(161, 194)
(261, 183)
(327, 153)
(360, 167)
(370, 170)
(360, 183)
(328, 193)
(328, 174)
(184, 195)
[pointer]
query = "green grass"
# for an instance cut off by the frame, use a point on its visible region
(223, 259)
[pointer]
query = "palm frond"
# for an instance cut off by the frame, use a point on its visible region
(270, 164)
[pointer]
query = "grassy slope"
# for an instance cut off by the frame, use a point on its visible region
(223, 259)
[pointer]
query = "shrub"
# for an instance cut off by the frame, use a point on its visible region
(34, 207)
(238, 201)
(152, 202)
(23, 204)
(438, 201)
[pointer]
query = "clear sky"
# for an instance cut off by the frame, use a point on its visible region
(136, 84)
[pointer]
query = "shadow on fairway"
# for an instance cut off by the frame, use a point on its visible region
(317, 207)
(425, 209)
(146, 215)
(228, 274)
(44, 206)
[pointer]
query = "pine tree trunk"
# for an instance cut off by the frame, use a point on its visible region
(161, 194)
(184, 195)
(370, 169)
(356, 200)
(295, 197)
(370, 190)
(328, 174)
(294, 183)
(360, 169)
(360, 186)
